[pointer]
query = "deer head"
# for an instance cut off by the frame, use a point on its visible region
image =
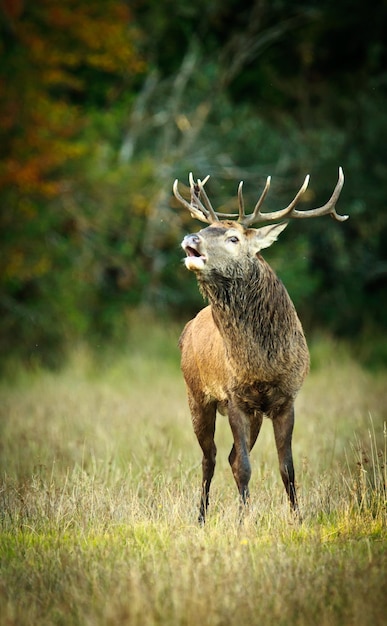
(228, 245)
(228, 241)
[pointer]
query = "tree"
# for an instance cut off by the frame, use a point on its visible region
(59, 61)
(103, 106)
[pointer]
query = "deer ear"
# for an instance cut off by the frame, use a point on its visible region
(265, 236)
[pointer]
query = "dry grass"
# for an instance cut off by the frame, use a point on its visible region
(100, 477)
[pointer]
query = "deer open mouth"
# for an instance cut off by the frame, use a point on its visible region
(194, 259)
(192, 251)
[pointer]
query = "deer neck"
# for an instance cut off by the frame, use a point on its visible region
(254, 315)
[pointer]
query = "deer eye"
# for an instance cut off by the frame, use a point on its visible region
(233, 239)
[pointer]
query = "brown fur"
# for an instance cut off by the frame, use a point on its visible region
(245, 354)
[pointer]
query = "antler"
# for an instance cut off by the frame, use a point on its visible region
(204, 212)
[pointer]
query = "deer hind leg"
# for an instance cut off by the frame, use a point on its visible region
(283, 424)
(203, 420)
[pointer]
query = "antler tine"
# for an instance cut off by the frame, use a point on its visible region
(241, 203)
(198, 189)
(329, 208)
(195, 212)
(244, 219)
(256, 215)
(195, 196)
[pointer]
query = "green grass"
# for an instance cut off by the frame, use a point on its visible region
(100, 474)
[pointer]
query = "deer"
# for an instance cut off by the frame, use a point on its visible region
(245, 354)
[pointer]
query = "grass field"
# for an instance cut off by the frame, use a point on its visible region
(100, 475)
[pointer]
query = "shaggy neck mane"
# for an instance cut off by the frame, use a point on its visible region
(254, 314)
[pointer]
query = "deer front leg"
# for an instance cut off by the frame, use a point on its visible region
(203, 420)
(239, 455)
(283, 424)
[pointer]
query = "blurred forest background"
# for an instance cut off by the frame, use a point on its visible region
(103, 103)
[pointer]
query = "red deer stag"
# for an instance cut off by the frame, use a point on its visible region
(245, 354)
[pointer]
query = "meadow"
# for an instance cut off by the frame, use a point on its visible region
(100, 475)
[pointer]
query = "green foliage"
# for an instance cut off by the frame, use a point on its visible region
(117, 103)
(50, 55)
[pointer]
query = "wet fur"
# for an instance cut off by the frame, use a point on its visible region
(244, 355)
